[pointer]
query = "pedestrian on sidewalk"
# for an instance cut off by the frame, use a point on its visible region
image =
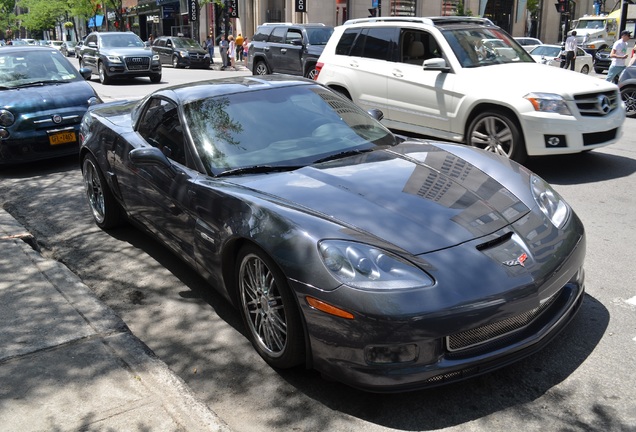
(223, 47)
(239, 47)
(230, 51)
(209, 45)
(246, 50)
(618, 56)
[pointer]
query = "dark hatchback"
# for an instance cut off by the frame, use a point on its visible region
(181, 52)
(43, 101)
(602, 60)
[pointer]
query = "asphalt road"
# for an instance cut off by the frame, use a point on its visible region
(583, 381)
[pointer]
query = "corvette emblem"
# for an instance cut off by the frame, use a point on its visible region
(519, 261)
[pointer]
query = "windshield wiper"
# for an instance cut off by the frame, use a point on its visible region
(259, 169)
(343, 155)
(42, 82)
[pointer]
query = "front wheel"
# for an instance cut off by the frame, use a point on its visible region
(628, 94)
(103, 75)
(495, 132)
(585, 69)
(269, 310)
(175, 62)
(155, 78)
(311, 72)
(105, 209)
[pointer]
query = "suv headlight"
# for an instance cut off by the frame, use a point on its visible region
(549, 201)
(113, 59)
(366, 267)
(548, 102)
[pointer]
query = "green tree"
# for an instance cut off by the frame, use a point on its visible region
(7, 18)
(43, 14)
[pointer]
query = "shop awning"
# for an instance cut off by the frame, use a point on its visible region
(97, 18)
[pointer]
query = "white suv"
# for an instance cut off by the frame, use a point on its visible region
(444, 77)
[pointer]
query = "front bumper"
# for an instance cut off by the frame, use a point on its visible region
(35, 145)
(518, 310)
(549, 134)
(120, 70)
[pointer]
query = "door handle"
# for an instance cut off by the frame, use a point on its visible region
(283, 50)
(397, 73)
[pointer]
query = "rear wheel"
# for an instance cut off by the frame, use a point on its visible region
(269, 309)
(496, 132)
(105, 209)
(260, 68)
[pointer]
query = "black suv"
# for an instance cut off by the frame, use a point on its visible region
(181, 52)
(119, 55)
(287, 48)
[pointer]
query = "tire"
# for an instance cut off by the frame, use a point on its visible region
(496, 132)
(269, 310)
(103, 76)
(311, 72)
(155, 78)
(105, 209)
(628, 94)
(598, 71)
(260, 68)
(175, 62)
(585, 69)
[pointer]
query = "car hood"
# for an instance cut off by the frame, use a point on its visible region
(417, 197)
(519, 79)
(50, 96)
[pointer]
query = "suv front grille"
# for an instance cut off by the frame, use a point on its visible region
(137, 63)
(597, 104)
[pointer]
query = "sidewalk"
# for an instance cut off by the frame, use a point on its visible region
(68, 363)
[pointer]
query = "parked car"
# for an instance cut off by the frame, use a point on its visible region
(528, 43)
(627, 86)
(116, 55)
(280, 223)
(287, 48)
(427, 76)
(57, 44)
(553, 55)
(43, 101)
(68, 48)
(181, 52)
(602, 60)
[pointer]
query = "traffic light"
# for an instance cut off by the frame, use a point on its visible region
(373, 12)
(562, 6)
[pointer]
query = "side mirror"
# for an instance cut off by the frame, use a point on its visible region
(376, 114)
(86, 73)
(438, 64)
(297, 42)
(92, 44)
(151, 156)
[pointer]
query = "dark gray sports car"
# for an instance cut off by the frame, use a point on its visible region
(387, 264)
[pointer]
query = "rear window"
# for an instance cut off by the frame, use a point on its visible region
(376, 43)
(346, 41)
(262, 34)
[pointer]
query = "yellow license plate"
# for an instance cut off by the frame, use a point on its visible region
(62, 138)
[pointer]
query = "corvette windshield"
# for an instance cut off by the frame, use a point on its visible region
(479, 47)
(280, 127)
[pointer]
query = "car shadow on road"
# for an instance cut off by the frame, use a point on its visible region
(581, 168)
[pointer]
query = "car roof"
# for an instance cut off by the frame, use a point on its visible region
(439, 21)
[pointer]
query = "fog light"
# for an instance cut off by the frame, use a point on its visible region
(555, 141)
(391, 354)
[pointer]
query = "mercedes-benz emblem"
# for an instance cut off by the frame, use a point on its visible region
(57, 119)
(603, 104)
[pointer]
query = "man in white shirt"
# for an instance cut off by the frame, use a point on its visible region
(618, 56)
(570, 51)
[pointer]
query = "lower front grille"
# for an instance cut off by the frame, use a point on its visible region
(499, 329)
(599, 137)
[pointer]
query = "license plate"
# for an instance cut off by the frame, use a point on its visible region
(62, 138)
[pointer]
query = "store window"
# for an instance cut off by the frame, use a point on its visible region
(403, 7)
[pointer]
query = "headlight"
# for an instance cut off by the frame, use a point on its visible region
(94, 101)
(155, 57)
(548, 102)
(366, 267)
(6, 118)
(549, 201)
(113, 59)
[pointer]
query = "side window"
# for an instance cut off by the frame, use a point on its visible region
(380, 44)
(346, 41)
(160, 127)
(292, 35)
(261, 34)
(278, 35)
(417, 46)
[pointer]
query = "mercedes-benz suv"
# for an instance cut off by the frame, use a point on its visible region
(114, 55)
(443, 77)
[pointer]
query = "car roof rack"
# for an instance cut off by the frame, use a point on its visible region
(424, 20)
